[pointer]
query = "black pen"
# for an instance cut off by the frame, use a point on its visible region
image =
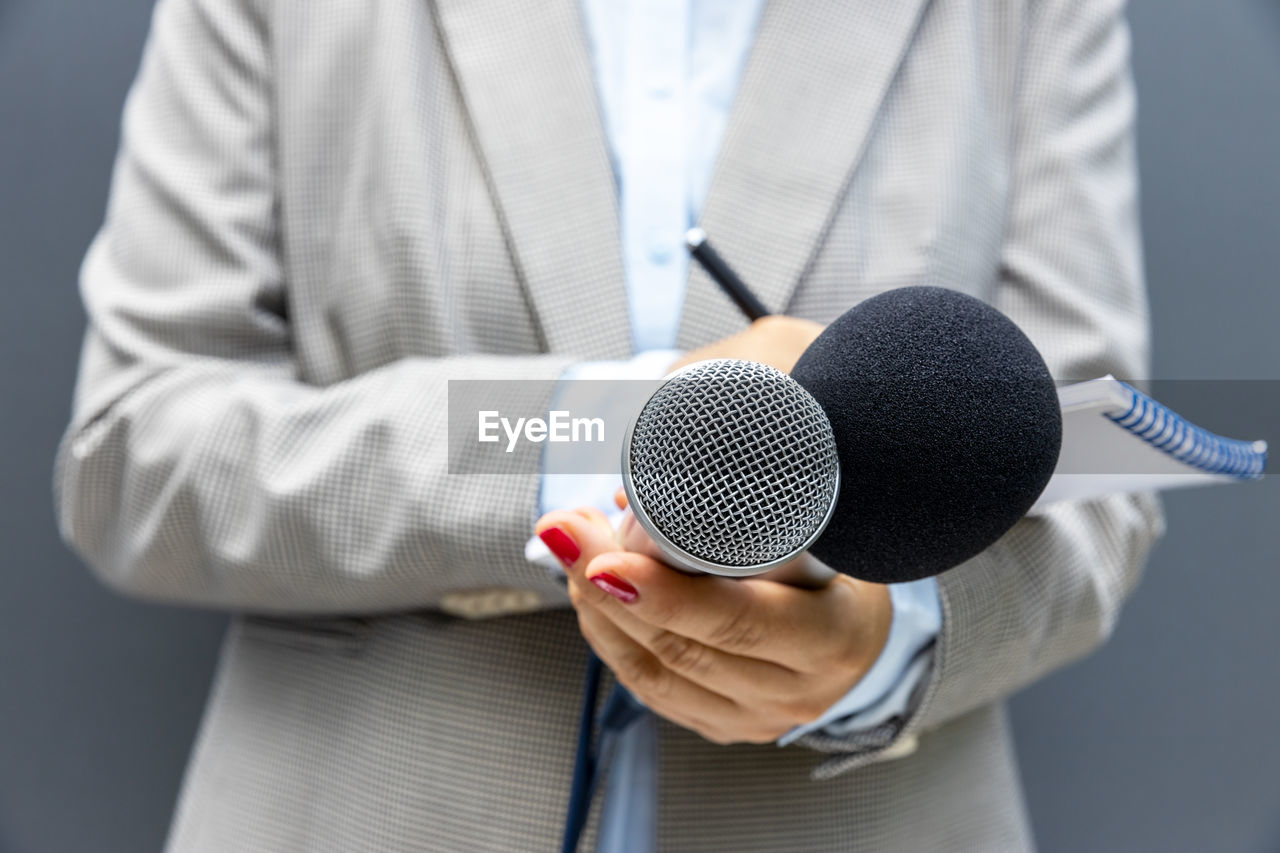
(722, 274)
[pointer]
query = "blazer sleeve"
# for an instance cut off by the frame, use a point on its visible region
(198, 467)
(1051, 589)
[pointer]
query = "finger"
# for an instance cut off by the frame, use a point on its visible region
(626, 658)
(746, 680)
(620, 498)
(669, 694)
(596, 517)
(575, 538)
(751, 618)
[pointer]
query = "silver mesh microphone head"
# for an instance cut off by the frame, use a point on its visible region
(731, 467)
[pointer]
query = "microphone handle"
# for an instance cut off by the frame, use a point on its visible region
(805, 571)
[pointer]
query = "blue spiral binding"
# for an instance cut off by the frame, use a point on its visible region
(1169, 432)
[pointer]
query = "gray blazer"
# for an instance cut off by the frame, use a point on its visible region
(325, 209)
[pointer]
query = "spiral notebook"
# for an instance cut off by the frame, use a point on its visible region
(1117, 439)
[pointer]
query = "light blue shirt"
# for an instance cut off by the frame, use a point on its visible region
(667, 72)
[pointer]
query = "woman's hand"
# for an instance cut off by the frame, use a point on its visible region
(734, 660)
(775, 340)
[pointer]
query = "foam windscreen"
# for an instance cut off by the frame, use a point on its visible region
(947, 425)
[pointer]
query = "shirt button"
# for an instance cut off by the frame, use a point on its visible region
(659, 253)
(661, 91)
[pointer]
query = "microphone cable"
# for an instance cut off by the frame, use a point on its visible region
(584, 762)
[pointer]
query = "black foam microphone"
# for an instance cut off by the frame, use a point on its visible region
(916, 430)
(947, 426)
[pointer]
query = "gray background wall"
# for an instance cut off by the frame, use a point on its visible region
(1166, 740)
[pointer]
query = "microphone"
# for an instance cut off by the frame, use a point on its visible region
(730, 468)
(948, 428)
(911, 435)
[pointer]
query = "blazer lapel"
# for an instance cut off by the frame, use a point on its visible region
(815, 80)
(529, 88)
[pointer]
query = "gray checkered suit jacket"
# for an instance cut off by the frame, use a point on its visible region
(324, 209)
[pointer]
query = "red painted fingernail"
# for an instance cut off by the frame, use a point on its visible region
(616, 586)
(565, 549)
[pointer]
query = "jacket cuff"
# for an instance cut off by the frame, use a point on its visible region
(884, 692)
(892, 738)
